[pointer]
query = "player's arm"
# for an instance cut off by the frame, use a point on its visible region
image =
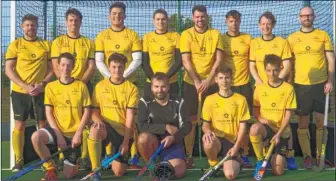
(136, 62)
(241, 132)
(254, 72)
(178, 63)
(257, 115)
(11, 73)
(38, 88)
(286, 69)
(90, 69)
(54, 62)
(100, 57)
(144, 124)
(146, 65)
(184, 123)
(331, 70)
(219, 57)
(49, 110)
(285, 121)
(186, 60)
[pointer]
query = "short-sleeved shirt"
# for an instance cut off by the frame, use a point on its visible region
(236, 56)
(225, 114)
(31, 60)
(82, 48)
(260, 47)
(113, 100)
(273, 103)
(309, 50)
(202, 47)
(68, 102)
(161, 49)
(124, 42)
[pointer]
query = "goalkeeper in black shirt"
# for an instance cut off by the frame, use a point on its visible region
(163, 119)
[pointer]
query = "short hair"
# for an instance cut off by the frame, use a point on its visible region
(162, 11)
(75, 12)
(223, 70)
(160, 76)
(273, 60)
(117, 58)
(234, 13)
(29, 17)
(268, 15)
(307, 7)
(200, 8)
(68, 56)
(118, 5)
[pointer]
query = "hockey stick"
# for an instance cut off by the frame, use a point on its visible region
(263, 168)
(214, 169)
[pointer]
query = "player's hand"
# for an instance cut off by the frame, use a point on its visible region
(99, 125)
(171, 129)
(124, 147)
(28, 88)
(276, 139)
(168, 140)
(61, 143)
(197, 84)
(208, 137)
(328, 87)
(204, 86)
(263, 121)
(258, 81)
(233, 151)
(76, 140)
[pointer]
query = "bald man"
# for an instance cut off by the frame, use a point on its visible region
(314, 75)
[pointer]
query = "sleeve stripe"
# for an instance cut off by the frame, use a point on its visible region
(53, 57)
(219, 49)
(244, 120)
(286, 59)
(255, 106)
(252, 61)
(206, 121)
(185, 53)
(89, 106)
(329, 50)
(14, 58)
(136, 51)
(99, 51)
(49, 105)
(95, 107)
(131, 107)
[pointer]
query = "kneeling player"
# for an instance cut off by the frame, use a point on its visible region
(67, 108)
(114, 104)
(225, 115)
(163, 119)
(273, 103)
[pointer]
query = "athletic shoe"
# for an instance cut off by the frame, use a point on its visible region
(60, 164)
(190, 161)
(85, 163)
(50, 175)
(96, 176)
(134, 162)
(308, 162)
(257, 168)
(327, 163)
(245, 162)
(17, 167)
(291, 165)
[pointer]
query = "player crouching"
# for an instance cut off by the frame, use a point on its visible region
(224, 116)
(163, 119)
(67, 106)
(273, 103)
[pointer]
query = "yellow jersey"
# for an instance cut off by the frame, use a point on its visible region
(68, 102)
(310, 61)
(273, 103)
(82, 48)
(236, 57)
(113, 100)
(161, 49)
(124, 42)
(31, 60)
(202, 47)
(225, 114)
(260, 47)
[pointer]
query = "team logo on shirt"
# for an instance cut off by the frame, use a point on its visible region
(236, 52)
(274, 46)
(265, 94)
(298, 40)
(67, 101)
(75, 54)
(162, 48)
(307, 48)
(33, 55)
(216, 105)
(117, 46)
(203, 49)
(226, 45)
(226, 115)
(273, 104)
(115, 102)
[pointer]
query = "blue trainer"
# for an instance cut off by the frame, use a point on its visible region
(134, 162)
(257, 168)
(245, 162)
(96, 176)
(291, 165)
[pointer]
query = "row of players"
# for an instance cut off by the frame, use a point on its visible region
(201, 50)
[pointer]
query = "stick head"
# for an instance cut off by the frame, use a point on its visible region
(317, 169)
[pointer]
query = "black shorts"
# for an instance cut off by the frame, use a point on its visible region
(173, 89)
(226, 145)
(191, 97)
(247, 92)
(23, 106)
(71, 154)
(116, 139)
(282, 146)
(310, 98)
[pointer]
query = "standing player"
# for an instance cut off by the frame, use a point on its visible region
(28, 68)
(268, 43)
(314, 76)
(202, 52)
(224, 116)
(114, 105)
(82, 48)
(119, 39)
(236, 56)
(68, 104)
(161, 52)
(163, 119)
(274, 102)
